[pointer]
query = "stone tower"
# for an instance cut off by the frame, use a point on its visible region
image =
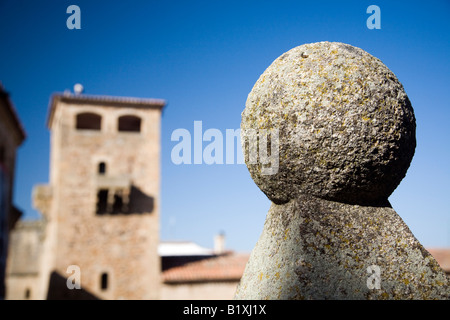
(102, 203)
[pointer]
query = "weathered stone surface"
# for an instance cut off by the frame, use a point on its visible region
(346, 138)
(346, 125)
(312, 248)
(118, 244)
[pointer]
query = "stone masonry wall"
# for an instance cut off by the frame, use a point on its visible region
(122, 245)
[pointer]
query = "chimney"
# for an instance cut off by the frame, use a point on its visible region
(219, 243)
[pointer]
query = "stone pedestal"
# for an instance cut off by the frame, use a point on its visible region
(312, 248)
(345, 136)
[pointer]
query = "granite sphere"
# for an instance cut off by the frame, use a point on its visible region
(345, 125)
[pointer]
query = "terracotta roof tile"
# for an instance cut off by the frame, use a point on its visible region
(442, 256)
(227, 267)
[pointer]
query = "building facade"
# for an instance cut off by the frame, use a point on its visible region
(24, 277)
(12, 135)
(101, 206)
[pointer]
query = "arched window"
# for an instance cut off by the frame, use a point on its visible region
(88, 121)
(129, 124)
(104, 281)
(101, 168)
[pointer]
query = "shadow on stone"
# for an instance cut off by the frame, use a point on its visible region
(58, 290)
(177, 261)
(140, 202)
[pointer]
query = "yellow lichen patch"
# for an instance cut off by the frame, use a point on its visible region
(286, 233)
(439, 283)
(260, 277)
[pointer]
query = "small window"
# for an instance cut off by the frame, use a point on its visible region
(129, 124)
(101, 168)
(27, 294)
(111, 202)
(104, 281)
(102, 201)
(89, 121)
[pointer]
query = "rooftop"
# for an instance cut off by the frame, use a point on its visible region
(442, 256)
(226, 267)
(182, 248)
(113, 101)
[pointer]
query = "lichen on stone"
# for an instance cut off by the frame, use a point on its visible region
(346, 125)
(346, 139)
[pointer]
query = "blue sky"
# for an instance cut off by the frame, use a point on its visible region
(204, 57)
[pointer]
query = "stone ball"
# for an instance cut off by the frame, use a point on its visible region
(341, 126)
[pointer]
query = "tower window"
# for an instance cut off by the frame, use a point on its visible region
(27, 294)
(129, 124)
(102, 201)
(89, 121)
(112, 201)
(101, 168)
(104, 281)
